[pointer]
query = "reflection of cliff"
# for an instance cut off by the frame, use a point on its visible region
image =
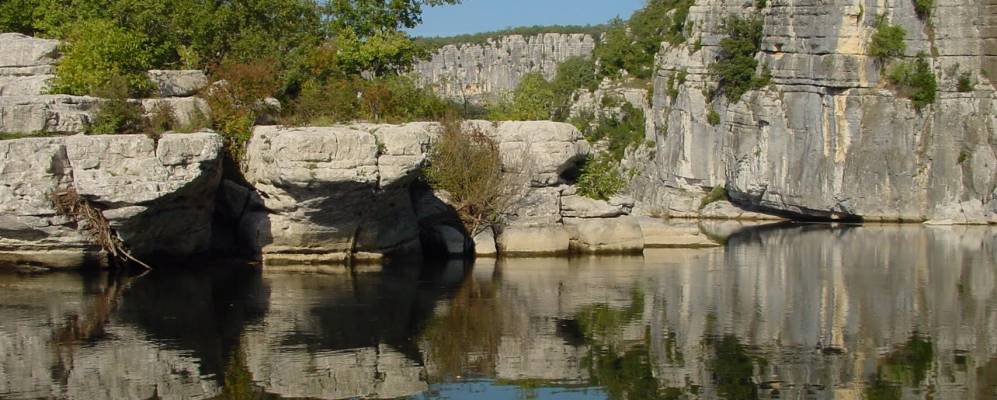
(804, 311)
(340, 336)
(65, 354)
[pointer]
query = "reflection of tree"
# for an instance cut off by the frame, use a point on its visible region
(908, 364)
(732, 368)
(624, 370)
(465, 339)
(239, 383)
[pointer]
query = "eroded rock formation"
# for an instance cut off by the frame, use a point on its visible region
(828, 138)
(159, 196)
(476, 72)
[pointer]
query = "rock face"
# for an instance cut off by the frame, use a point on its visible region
(25, 64)
(475, 72)
(178, 83)
(827, 138)
(334, 191)
(159, 197)
(329, 194)
(46, 113)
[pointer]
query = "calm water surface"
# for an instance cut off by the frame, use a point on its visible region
(811, 312)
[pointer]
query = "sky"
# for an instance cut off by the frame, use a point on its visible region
(473, 16)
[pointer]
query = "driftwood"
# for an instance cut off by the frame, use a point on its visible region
(69, 203)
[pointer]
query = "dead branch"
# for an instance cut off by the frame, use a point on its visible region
(69, 203)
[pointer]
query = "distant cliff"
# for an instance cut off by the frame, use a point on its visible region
(474, 71)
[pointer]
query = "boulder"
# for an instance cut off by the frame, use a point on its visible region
(576, 206)
(541, 149)
(187, 111)
(726, 210)
(31, 85)
(660, 233)
(178, 83)
(323, 195)
(484, 243)
(47, 113)
(159, 198)
(533, 240)
(605, 235)
(536, 207)
(17, 50)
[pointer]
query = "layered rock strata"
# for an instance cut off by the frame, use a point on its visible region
(158, 196)
(829, 138)
(27, 66)
(477, 72)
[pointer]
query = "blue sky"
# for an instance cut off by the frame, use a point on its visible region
(488, 15)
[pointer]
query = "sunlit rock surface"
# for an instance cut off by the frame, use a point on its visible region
(827, 138)
(477, 72)
(158, 196)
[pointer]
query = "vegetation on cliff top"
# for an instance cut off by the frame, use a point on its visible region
(434, 43)
(290, 49)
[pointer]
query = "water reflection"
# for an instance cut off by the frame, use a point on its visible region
(878, 312)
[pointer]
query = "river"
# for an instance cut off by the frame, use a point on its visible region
(791, 312)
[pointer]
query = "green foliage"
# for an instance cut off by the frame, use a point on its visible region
(631, 46)
(735, 68)
(965, 82)
(712, 117)
(398, 99)
(887, 41)
(914, 80)
(533, 99)
(99, 51)
(600, 177)
(584, 120)
(161, 119)
(675, 80)
(466, 164)
(620, 132)
(760, 4)
(236, 103)
(116, 115)
(718, 193)
(433, 43)
(923, 8)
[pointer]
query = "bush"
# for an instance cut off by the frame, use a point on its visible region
(237, 101)
(713, 117)
(600, 177)
(887, 41)
(161, 120)
(97, 51)
(398, 99)
(735, 68)
(923, 8)
(914, 80)
(116, 115)
(533, 99)
(965, 82)
(467, 165)
(718, 193)
(620, 132)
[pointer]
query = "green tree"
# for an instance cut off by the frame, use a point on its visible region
(98, 51)
(533, 99)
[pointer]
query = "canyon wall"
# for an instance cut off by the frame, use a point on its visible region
(828, 138)
(476, 72)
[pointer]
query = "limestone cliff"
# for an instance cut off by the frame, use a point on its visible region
(473, 72)
(159, 196)
(828, 138)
